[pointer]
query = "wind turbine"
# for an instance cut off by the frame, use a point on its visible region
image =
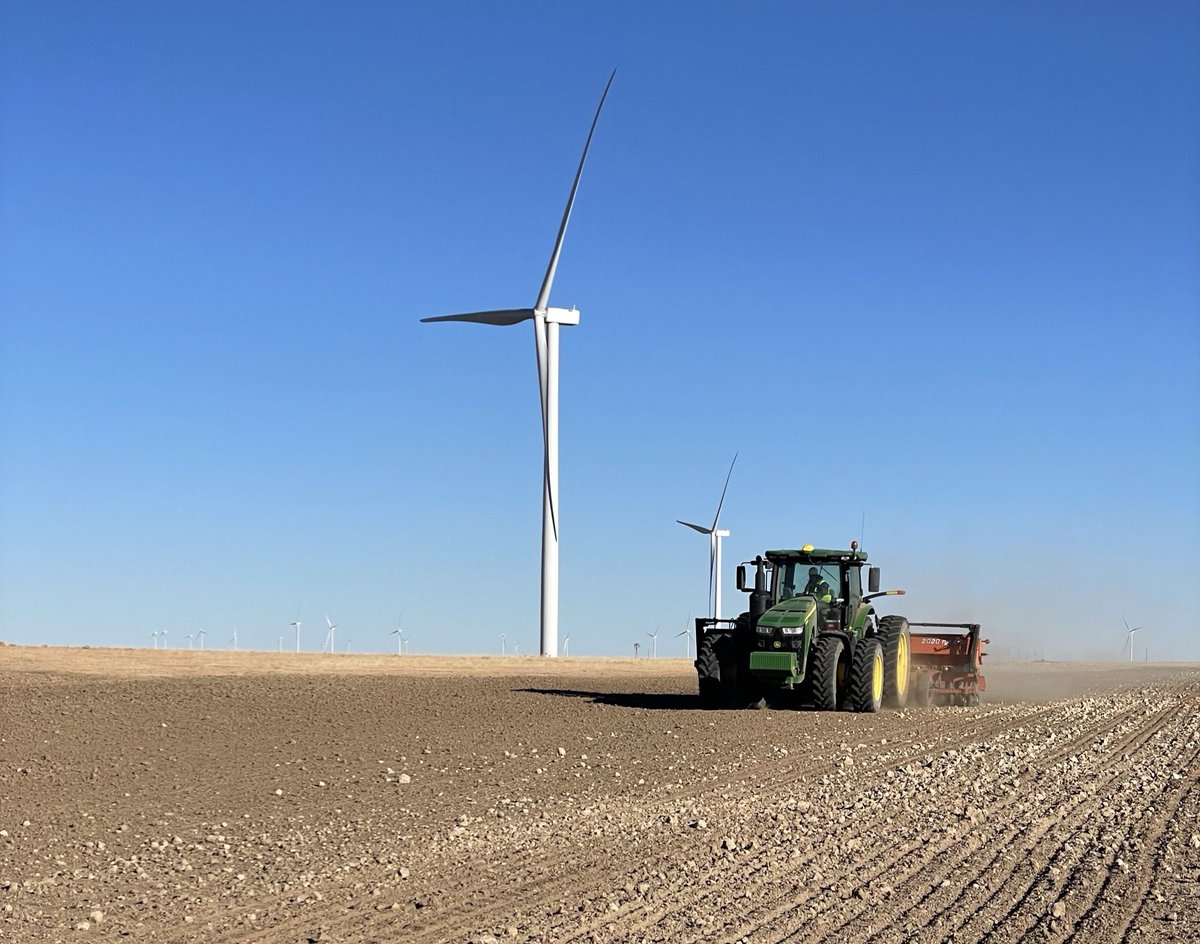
(296, 623)
(234, 638)
(715, 536)
(154, 637)
(328, 644)
(399, 638)
(200, 635)
(546, 322)
(164, 638)
(566, 646)
(189, 637)
(405, 640)
(687, 637)
(653, 643)
(1129, 636)
(503, 647)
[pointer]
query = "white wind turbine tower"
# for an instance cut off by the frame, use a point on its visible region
(399, 638)
(296, 625)
(328, 644)
(566, 646)
(503, 647)
(200, 635)
(715, 535)
(164, 638)
(234, 642)
(1129, 636)
(154, 637)
(653, 643)
(189, 637)
(546, 322)
(405, 640)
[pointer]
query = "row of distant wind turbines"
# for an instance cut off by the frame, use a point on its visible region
(196, 640)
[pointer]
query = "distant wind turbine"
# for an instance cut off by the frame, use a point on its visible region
(546, 322)
(406, 639)
(154, 638)
(653, 643)
(687, 637)
(715, 535)
(503, 647)
(234, 638)
(1129, 636)
(295, 624)
(328, 644)
(189, 638)
(200, 635)
(566, 646)
(399, 638)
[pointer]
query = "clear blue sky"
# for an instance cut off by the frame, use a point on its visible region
(934, 262)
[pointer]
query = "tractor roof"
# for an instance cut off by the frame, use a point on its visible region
(810, 554)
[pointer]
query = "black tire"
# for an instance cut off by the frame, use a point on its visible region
(897, 657)
(866, 677)
(828, 653)
(708, 672)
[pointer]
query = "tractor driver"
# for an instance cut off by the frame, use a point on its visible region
(823, 593)
(814, 581)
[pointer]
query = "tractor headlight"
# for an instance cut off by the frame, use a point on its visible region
(792, 630)
(765, 630)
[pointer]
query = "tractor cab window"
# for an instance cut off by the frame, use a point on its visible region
(817, 580)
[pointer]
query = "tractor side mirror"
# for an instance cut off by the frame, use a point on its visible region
(741, 577)
(873, 580)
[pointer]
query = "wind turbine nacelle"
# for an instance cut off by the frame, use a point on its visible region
(562, 316)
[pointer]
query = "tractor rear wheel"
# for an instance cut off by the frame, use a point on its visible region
(866, 676)
(828, 662)
(708, 671)
(897, 649)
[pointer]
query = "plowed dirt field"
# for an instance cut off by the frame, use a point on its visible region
(189, 796)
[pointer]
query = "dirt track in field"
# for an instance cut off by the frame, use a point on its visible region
(176, 796)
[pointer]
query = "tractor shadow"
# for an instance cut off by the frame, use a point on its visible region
(654, 701)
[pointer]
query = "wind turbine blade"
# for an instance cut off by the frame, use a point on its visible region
(1126, 622)
(712, 569)
(543, 298)
(502, 317)
(328, 621)
(717, 517)
(540, 344)
(694, 527)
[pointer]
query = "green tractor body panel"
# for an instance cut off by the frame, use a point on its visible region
(858, 625)
(796, 613)
(783, 635)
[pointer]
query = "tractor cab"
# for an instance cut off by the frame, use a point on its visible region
(814, 588)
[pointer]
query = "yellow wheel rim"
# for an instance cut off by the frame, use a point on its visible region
(877, 677)
(902, 666)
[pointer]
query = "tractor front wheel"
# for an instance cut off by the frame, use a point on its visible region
(828, 661)
(897, 648)
(708, 671)
(866, 676)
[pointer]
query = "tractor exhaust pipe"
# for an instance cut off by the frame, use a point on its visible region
(760, 597)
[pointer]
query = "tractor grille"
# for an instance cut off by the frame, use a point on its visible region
(773, 662)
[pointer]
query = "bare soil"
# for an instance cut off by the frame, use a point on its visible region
(217, 796)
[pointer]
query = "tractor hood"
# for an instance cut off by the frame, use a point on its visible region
(789, 614)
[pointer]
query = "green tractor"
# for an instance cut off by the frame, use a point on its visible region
(809, 637)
